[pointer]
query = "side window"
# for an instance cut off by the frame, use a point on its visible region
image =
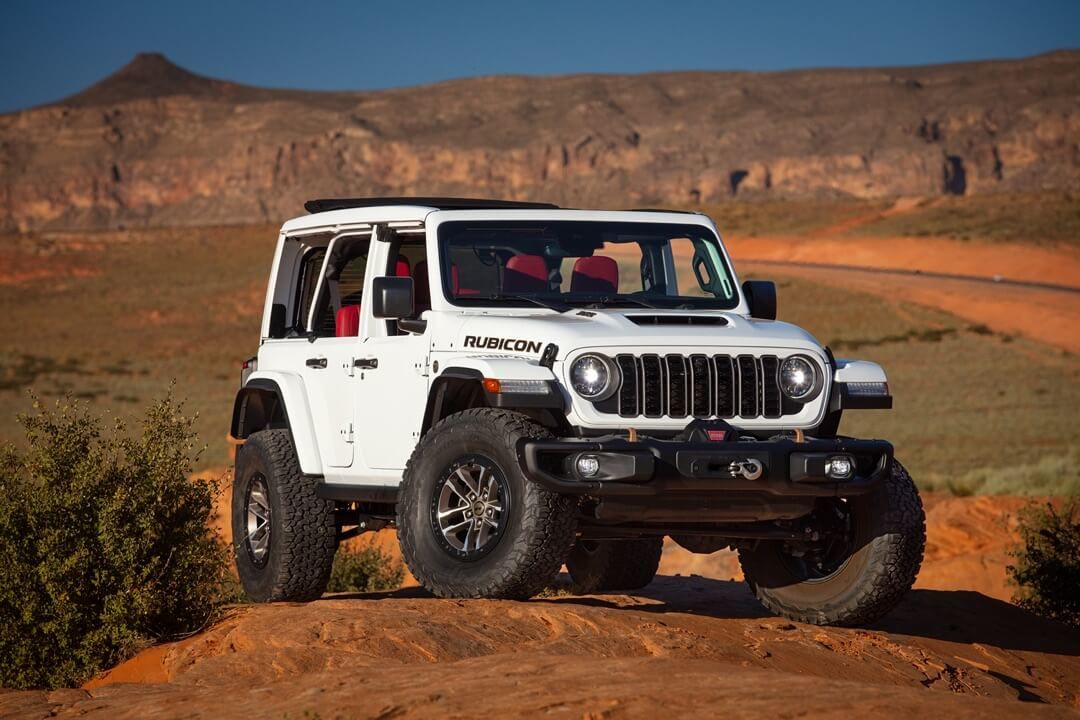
(344, 285)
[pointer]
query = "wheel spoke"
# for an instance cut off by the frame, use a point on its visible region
(454, 528)
(483, 533)
(458, 485)
(452, 511)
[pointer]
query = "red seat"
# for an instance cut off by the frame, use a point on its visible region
(402, 268)
(526, 274)
(347, 321)
(596, 274)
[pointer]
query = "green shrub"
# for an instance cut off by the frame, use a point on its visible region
(104, 543)
(367, 569)
(1047, 570)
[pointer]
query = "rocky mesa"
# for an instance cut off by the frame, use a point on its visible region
(154, 144)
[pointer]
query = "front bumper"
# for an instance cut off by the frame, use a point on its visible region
(653, 480)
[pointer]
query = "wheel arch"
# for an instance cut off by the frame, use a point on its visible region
(277, 400)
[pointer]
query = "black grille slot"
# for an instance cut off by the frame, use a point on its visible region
(726, 386)
(676, 370)
(698, 386)
(655, 392)
(628, 391)
(748, 387)
(770, 387)
(701, 382)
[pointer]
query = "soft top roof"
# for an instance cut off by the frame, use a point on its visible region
(439, 203)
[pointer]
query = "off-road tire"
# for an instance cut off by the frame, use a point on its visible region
(539, 528)
(890, 536)
(303, 534)
(625, 564)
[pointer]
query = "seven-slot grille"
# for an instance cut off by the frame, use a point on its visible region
(700, 386)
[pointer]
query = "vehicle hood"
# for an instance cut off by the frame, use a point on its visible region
(642, 330)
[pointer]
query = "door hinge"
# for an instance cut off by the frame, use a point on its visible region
(347, 433)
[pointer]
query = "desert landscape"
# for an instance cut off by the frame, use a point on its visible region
(936, 231)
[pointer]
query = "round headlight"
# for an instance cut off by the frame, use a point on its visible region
(591, 377)
(798, 378)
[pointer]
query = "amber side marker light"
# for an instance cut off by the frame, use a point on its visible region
(492, 385)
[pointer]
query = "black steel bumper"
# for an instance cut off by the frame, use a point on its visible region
(713, 470)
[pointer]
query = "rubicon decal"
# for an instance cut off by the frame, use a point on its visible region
(496, 343)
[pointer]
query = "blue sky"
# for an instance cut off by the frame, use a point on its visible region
(52, 49)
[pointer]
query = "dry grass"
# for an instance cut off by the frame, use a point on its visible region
(974, 411)
(1040, 219)
(1043, 219)
(163, 305)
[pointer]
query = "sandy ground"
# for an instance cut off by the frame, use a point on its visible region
(683, 645)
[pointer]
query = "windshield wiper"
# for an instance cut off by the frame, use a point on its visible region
(612, 299)
(550, 305)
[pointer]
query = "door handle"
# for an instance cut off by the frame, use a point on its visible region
(366, 363)
(317, 363)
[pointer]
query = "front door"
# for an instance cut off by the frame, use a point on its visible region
(392, 397)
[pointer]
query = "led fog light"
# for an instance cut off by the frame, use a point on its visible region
(839, 467)
(588, 465)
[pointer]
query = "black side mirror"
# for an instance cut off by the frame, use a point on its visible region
(761, 297)
(393, 298)
(277, 321)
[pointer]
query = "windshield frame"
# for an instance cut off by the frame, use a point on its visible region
(634, 300)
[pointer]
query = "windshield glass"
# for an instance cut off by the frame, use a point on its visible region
(559, 264)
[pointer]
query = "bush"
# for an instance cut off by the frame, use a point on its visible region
(366, 569)
(1047, 570)
(104, 543)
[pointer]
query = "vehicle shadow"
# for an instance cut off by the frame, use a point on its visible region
(958, 616)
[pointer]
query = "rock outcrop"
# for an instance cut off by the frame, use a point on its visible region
(154, 144)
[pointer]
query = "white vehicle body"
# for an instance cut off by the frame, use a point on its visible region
(515, 387)
(357, 405)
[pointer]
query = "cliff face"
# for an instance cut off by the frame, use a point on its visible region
(156, 145)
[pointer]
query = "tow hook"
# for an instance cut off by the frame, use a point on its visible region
(750, 468)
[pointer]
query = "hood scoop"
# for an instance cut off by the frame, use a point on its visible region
(713, 320)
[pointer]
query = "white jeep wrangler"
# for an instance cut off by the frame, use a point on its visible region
(516, 386)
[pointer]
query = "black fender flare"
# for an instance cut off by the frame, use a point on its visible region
(552, 401)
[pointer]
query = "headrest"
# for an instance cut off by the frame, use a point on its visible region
(525, 274)
(596, 274)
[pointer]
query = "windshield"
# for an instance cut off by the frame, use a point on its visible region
(559, 265)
